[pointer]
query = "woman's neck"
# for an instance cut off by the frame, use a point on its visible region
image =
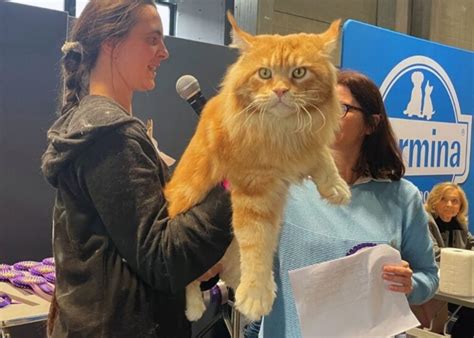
(97, 88)
(102, 83)
(346, 160)
(445, 219)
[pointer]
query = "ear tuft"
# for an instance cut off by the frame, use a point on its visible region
(331, 36)
(240, 39)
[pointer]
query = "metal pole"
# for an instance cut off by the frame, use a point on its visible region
(235, 323)
(70, 7)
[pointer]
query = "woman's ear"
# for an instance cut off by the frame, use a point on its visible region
(109, 47)
(374, 124)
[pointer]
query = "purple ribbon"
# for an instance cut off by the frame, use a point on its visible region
(358, 247)
(5, 300)
(48, 261)
(8, 274)
(25, 265)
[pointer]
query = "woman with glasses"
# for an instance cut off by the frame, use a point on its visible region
(385, 209)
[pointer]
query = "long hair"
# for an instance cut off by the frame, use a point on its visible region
(100, 21)
(437, 193)
(380, 156)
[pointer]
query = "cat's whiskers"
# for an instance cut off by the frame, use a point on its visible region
(301, 123)
(310, 120)
(298, 117)
(256, 108)
(248, 108)
(309, 94)
(261, 115)
(322, 116)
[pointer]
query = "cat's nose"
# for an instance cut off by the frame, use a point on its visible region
(280, 91)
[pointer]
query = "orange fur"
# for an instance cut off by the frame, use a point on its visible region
(262, 146)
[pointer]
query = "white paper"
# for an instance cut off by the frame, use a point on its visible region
(348, 297)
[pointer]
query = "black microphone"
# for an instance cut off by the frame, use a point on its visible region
(188, 88)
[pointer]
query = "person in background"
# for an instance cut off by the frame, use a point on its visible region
(121, 263)
(385, 208)
(448, 208)
(447, 204)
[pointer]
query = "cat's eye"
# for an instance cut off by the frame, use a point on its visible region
(299, 72)
(265, 73)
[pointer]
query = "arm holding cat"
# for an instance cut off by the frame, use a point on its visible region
(166, 253)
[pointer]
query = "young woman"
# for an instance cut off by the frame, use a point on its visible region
(121, 263)
(384, 208)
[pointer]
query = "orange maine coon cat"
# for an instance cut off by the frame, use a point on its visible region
(270, 126)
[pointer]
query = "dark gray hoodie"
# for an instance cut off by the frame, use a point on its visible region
(121, 263)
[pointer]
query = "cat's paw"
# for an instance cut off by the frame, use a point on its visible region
(177, 204)
(195, 306)
(194, 312)
(338, 193)
(255, 299)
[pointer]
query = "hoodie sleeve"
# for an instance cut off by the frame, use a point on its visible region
(123, 177)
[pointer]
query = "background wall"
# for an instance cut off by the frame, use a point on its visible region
(447, 22)
(203, 20)
(30, 43)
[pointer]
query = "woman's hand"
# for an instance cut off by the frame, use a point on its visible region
(216, 269)
(399, 276)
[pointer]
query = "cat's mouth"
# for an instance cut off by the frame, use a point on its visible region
(281, 103)
(282, 109)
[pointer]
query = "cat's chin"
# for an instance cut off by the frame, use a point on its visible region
(282, 110)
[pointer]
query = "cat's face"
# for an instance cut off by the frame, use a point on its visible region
(283, 75)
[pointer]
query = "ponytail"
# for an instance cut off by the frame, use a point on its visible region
(74, 76)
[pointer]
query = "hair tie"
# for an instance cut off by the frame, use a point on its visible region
(72, 46)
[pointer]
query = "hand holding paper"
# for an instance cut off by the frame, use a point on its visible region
(348, 297)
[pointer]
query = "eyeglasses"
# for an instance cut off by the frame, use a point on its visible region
(346, 107)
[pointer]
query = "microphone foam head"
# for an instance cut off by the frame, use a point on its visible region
(187, 86)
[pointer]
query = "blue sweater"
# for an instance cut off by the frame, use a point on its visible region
(315, 231)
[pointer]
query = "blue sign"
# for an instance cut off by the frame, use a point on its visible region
(428, 90)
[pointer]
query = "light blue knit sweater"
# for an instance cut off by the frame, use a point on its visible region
(314, 231)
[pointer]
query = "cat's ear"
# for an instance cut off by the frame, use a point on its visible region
(240, 39)
(330, 36)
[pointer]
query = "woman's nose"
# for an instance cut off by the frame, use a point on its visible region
(164, 54)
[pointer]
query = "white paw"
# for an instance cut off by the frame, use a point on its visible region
(195, 311)
(255, 299)
(195, 306)
(338, 193)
